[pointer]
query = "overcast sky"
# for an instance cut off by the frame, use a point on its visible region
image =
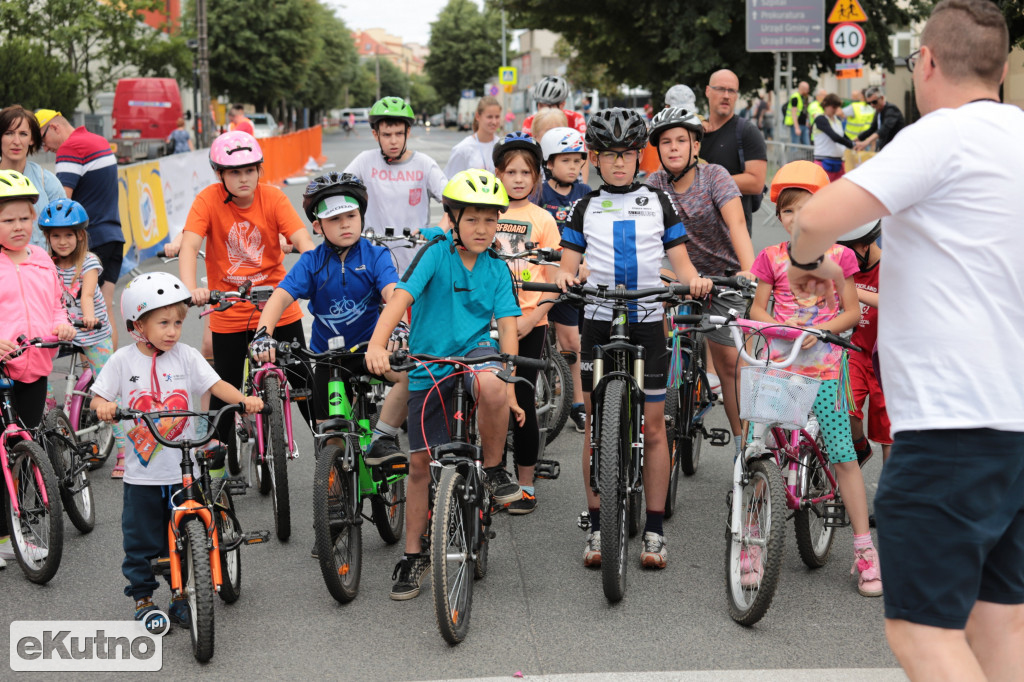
(408, 19)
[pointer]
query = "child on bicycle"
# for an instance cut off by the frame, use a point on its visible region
(155, 373)
(792, 186)
(565, 156)
(344, 279)
(241, 220)
(64, 224)
(31, 307)
(517, 162)
(625, 229)
(863, 379)
(458, 285)
(709, 200)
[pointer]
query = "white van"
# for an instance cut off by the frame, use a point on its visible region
(362, 117)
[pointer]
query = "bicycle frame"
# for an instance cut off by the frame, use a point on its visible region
(256, 382)
(76, 393)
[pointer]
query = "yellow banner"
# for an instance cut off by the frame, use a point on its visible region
(141, 205)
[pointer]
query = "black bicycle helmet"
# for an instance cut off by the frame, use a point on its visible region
(550, 90)
(616, 127)
(517, 140)
(675, 117)
(331, 185)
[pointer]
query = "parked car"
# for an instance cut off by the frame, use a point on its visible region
(263, 125)
(145, 112)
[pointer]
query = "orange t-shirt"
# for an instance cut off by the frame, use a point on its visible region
(650, 163)
(517, 226)
(242, 245)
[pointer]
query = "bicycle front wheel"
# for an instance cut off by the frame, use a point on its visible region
(61, 445)
(451, 564)
(753, 558)
(614, 443)
(37, 531)
(197, 582)
(813, 537)
(339, 539)
(277, 456)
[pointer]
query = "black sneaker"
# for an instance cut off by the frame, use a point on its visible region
(180, 613)
(863, 456)
(871, 521)
(503, 488)
(384, 450)
(579, 417)
(524, 505)
(407, 575)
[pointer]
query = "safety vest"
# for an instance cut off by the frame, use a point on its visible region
(799, 108)
(863, 114)
(814, 110)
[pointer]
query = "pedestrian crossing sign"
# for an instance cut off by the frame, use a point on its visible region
(507, 75)
(847, 10)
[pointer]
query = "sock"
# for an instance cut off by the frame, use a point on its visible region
(655, 522)
(528, 489)
(862, 542)
(739, 444)
(382, 429)
(577, 406)
(595, 520)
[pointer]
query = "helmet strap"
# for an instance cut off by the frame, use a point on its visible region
(226, 190)
(456, 238)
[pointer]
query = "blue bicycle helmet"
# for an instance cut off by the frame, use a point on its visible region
(517, 140)
(64, 213)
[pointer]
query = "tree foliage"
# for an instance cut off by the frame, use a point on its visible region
(465, 48)
(656, 44)
(34, 79)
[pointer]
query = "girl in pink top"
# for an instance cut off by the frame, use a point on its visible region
(792, 187)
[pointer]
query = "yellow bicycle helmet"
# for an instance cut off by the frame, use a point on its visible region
(800, 174)
(14, 185)
(474, 187)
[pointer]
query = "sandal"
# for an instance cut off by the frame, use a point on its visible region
(118, 471)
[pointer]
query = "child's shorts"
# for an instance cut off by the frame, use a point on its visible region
(650, 335)
(864, 383)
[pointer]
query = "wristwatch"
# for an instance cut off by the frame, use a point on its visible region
(813, 265)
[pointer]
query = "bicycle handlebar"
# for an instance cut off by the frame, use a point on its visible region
(402, 360)
(149, 417)
(390, 236)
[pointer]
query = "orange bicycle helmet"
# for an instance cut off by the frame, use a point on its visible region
(802, 174)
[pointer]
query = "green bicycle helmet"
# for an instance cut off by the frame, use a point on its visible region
(391, 109)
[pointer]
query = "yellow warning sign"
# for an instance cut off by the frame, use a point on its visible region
(847, 10)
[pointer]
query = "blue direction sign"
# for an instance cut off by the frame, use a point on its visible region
(785, 25)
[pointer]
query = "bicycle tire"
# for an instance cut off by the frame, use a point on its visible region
(451, 572)
(748, 604)
(276, 457)
(480, 566)
(339, 535)
(228, 532)
(58, 439)
(555, 384)
(636, 513)
(613, 438)
(40, 525)
(103, 436)
(690, 405)
(813, 537)
(388, 512)
(197, 583)
(671, 435)
(264, 481)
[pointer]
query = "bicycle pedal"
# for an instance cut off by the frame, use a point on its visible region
(584, 521)
(301, 394)
(570, 356)
(161, 566)
(835, 515)
(397, 468)
(719, 437)
(256, 537)
(235, 486)
(547, 469)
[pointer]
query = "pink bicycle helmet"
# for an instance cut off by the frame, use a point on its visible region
(235, 149)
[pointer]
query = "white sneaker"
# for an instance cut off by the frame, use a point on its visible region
(3, 564)
(6, 549)
(30, 552)
(592, 552)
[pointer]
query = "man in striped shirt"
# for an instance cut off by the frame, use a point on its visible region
(88, 170)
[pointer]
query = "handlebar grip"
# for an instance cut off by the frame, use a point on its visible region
(79, 324)
(731, 282)
(161, 254)
(840, 341)
(541, 286)
(688, 319)
(528, 363)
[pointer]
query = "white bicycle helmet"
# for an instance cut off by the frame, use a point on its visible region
(550, 90)
(149, 292)
(562, 141)
(681, 97)
(865, 233)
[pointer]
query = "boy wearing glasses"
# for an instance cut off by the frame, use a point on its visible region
(887, 122)
(625, 229)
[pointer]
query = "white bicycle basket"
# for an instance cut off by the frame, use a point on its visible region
(774, 396)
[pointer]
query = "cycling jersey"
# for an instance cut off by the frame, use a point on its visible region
(624, 234)
(343, 296)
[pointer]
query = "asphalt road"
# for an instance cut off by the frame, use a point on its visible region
(538, 611)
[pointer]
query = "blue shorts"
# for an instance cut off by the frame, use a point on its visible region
(565, 314)
(950, 510)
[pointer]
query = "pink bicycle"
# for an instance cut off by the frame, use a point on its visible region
(784, 443)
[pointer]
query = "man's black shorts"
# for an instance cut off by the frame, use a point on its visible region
(110, 255)
(650, 335)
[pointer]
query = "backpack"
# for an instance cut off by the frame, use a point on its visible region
(755, 199)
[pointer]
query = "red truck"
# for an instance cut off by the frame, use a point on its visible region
(146, 111)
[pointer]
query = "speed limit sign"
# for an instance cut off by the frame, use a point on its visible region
(847, 40)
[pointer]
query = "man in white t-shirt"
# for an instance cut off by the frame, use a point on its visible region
(950, 502)
(399, 181)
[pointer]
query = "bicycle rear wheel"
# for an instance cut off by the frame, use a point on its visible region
(388, 510)
(37, 535)
(276, 456)
(103, 436)
(451, 565)
(228, 532)
(671, 426)
(813, 537)
(197, 582)
(58, 439)
(338, 530)
(754, 558)
(692, 401)
(614, 443)
(554, 392)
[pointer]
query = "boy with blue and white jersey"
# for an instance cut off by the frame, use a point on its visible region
(625, 229)
(345, 279)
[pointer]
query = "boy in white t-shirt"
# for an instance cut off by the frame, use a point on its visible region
(156, 373)
(399, 181)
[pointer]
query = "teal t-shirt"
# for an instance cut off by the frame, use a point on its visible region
(453, 306)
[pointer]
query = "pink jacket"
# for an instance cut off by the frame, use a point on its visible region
(30, 304)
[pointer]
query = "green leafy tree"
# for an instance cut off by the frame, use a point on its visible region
(333, 61)
(425, 99)
(1014, 12)
(34, 79)
(657, 44)
(465, 48)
